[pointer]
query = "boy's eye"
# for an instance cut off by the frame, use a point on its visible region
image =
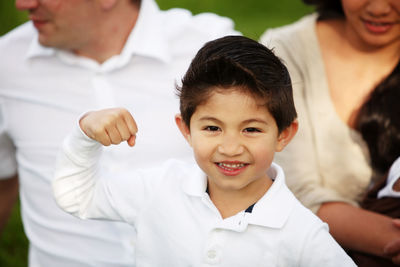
(211, 128)
(252, 130)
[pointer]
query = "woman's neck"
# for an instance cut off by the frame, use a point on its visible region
(352, 69)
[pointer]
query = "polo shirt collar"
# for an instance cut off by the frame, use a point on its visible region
(196, 183)
(272, 210)
(146, 39)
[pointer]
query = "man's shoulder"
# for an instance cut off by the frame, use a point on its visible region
(23, 32)
(17, 39)
(212, 23)
(209, 25)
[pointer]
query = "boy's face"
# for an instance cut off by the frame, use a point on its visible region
(234, 139)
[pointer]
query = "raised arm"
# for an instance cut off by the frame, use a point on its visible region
(78, 186)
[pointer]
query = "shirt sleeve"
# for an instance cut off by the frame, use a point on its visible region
(320, 249)
(299, 159)
(84, 189)
(8, 162)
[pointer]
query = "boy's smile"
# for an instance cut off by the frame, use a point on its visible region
(234, 139)
(231, 168)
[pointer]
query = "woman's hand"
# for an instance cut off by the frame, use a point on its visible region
(392, 249)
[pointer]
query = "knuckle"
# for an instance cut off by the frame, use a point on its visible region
(98, 131)
(109, 120)
(116, 142)
(120, 112)
(125, 136)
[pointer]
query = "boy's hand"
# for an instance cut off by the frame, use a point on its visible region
(110, 126)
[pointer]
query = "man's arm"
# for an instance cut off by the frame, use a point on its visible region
(359, 229)
(8, 197)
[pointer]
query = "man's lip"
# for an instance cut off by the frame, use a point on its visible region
(37, 19)
(38, 23)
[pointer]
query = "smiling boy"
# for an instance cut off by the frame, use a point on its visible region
(232, 208)
(234, 139)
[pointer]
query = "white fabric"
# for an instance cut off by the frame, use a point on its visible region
(326, 160)
(177, 223)
(43, 90)
(393, 176)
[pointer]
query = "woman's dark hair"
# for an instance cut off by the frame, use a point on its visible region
(237, 62)
(378, 121)
(327, 9)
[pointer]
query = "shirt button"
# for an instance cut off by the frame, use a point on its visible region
(211, 254)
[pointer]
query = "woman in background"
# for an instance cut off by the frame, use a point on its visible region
(336, 57)
(378, 121)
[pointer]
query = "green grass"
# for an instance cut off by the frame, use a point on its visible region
(10, 17)
(251, 17)
(13, 242)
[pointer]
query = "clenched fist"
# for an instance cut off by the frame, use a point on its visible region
(110, 126)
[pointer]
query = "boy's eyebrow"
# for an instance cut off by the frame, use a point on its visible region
(208, 118)
(254, 120)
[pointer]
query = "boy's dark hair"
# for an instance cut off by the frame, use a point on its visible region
(240, 62)
(327, 9)
(378, 121)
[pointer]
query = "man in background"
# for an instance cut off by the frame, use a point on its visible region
(80, 55)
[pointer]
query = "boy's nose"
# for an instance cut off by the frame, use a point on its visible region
(230, 146)
(26, 4)
(379, 8)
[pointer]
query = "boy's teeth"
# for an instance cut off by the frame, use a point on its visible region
(236, 165)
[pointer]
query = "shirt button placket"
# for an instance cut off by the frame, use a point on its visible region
(213, 250)
(104, 92)
(213, 255)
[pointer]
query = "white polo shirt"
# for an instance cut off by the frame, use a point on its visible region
(393, 176)
(43, 90)
(178, 225)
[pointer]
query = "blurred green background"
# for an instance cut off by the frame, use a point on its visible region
(251, 18)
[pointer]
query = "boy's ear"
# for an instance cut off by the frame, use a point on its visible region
(183, 128)
(286, 135)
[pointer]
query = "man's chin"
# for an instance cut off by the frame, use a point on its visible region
(48, 42)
